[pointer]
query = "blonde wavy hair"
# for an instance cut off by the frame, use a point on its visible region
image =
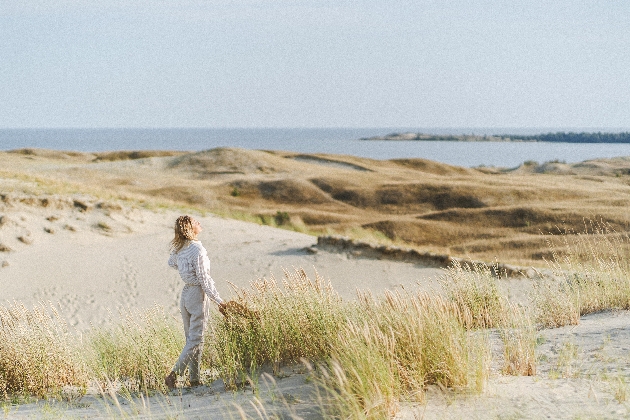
(183, 232)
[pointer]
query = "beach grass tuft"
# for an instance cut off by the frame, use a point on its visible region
(38, 354)
(370, 353)
(474, 289)
(290, 320)
(134, 352)
(591, 273)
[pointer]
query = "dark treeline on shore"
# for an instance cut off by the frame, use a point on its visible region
(577, 137)
(559, 137)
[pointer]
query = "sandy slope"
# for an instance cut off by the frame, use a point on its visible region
(97, 260)
(583, 373)
(91, 270)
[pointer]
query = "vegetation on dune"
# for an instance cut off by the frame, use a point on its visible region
(479, 214)
(368, 355)
(299, 318)
(365, 356)
(592, 273)
(37, 352)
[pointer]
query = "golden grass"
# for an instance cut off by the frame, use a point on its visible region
(373, 352)
(592, 273)
(296, 319)
(393, 348)
(475, 291)
(134, 351)
(465, 212)
(366, 355)
(38, 355)
(519, 336)
(382, 349)
(370, 353)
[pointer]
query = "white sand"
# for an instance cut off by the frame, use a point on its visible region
(91, 271)
(582, 374)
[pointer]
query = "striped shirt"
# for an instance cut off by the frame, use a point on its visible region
(193, 265)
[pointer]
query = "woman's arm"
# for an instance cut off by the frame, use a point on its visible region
(202, 270)
(172, 260)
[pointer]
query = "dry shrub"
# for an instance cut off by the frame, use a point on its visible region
(518, 334)
(298, 318)
(592, 273)
(135, 352)
(38, 355)
(473, 288)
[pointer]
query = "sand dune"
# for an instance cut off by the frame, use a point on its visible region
(504, 214)
(92, 261)
(98, 259)
(90, 233)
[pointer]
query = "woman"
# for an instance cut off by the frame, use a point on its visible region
(190, 258)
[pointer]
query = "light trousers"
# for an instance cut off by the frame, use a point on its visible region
(193, 306)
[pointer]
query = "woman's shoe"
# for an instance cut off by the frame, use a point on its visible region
(170, 380)
(195, 383)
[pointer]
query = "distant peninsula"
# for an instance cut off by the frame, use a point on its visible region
(560, 137)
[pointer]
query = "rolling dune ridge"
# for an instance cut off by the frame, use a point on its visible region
(480, 213)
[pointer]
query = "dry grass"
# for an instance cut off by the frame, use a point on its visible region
(381, 349)
(393, 348)
(135, 351)
(592, 273)
(474, 290)
(370, 354)
(38, 355)
(296, 319)
(519, 337)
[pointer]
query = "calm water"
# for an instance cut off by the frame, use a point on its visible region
(337, 141)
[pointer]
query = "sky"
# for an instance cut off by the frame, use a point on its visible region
(314, 63)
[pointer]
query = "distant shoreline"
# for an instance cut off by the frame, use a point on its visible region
(559, 137)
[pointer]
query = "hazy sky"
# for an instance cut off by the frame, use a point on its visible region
(314, 63)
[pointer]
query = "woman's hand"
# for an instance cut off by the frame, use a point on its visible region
(233, 308)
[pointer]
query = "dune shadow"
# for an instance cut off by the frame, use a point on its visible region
(292, 252)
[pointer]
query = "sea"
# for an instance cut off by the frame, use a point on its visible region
(344, 141)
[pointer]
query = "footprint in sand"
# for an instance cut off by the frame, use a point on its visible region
(175, 289)
(71, 305)
(128, 284)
